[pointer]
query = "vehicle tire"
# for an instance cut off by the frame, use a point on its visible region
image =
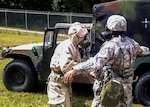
(142, 89)
(19, 76)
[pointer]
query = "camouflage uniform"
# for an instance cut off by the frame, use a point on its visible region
(65, 56)
(101, 77)
(119, 53)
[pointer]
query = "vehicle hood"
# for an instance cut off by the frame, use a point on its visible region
(32, 50)
(27, 46)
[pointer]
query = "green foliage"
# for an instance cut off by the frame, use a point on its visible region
(82, 6)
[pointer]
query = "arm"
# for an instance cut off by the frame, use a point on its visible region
(65, 57)
(141, 50)
(145, 51)
(67, 63)
(96, 63)
(69, 58)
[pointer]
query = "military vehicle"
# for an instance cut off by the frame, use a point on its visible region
(31, 61)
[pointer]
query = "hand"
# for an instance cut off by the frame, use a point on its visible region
(68, 77)
(93, 74)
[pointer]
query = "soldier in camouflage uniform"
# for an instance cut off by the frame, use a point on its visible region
(118, 55)
(65, 56)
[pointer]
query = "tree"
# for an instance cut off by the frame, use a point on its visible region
(82, 6)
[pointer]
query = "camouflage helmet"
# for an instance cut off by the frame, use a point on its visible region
(116, 23)
(78, 29)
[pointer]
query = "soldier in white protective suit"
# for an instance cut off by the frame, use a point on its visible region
(116, 56)
(65, 56)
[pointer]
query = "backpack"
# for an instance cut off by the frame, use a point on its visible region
(111, 93)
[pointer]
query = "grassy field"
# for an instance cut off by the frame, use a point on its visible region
(82, 94)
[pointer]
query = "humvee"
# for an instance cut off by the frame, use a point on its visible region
(31, 61)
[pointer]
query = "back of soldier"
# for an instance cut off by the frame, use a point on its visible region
(125, 54)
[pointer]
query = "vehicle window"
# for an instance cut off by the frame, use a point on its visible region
(62, 34)
(49, 38)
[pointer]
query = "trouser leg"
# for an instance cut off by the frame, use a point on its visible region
(96, 91)
(126, 100)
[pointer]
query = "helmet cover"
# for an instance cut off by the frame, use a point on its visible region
(116, 23)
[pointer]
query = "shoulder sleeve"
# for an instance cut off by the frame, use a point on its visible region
(97, 62)
(144, 51)
(141, 50)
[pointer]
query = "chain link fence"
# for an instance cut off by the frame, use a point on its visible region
(38, 20)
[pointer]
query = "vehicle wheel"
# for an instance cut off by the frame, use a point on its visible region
(142, 89)
(19, 76)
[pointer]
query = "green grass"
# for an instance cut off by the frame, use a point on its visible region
(81, 97)
(9, 38)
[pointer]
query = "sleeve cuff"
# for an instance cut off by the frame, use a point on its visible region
(77, 70)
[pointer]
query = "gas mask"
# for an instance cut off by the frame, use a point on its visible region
(85, 43)
(107, 35)
(81, 35)
(83, 48)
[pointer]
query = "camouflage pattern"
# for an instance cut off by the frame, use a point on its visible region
(138, 19)
(118, 49)
(38, 56)
(65, 56)
(116, 23)
(126, 100)
(135, 11)
(120, 53)
(111, 93)
(103, 77)
(59, 94)
(137, 15)
(34, 51)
